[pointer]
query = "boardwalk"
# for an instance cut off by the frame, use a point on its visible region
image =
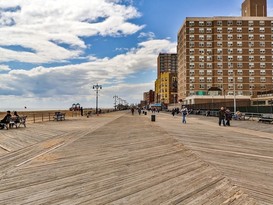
(117, 158)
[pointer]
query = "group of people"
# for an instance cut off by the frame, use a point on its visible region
(7, 119)
(224, 116)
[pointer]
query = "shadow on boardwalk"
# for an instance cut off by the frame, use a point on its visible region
(128, 160)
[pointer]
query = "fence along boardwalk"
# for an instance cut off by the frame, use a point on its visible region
(127, 161)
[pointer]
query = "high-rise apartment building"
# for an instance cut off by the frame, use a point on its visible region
(166, 62)
(166, 83)
(254, 8)
(232, 54)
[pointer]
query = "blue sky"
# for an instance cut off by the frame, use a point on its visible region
(53, 51)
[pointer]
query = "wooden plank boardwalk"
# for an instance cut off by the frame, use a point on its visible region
(115, 158)
(242, 152)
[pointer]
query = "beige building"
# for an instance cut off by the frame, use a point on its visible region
(232, 54)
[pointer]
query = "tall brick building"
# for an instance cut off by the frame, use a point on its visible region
(231, 54)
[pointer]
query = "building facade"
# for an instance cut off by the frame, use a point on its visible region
(254, 8)
(233, 54)
(166, 62)
(149, 97)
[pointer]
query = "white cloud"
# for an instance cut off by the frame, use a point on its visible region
(4, 68)
(67, 84)
(41, 27)
(149, 35)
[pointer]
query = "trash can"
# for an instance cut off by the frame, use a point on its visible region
(153, 118)
(145, 113)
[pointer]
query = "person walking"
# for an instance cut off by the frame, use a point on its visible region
(222, 116)
(184, 112)
(228, 117)
(132, 110)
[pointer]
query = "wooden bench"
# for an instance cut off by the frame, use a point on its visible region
(59, 116)
(266, 118)
(17, 122)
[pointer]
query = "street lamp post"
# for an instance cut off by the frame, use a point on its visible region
(97, 87)
(115, 97)
(234, 93)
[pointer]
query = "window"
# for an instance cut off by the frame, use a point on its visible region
(251, 72)
(219, 29)
(219, 23)
(240, 72)
(250, 23)
(230, 30)
(239, 23)
(240, 86)
(251, 86)
(230, 36)
(192, 65)
(239, 43)
(201, 23)
(202, 86)
(240, 79)
(250, 36)
(230, 65)
(250, 29)
(201, 58)
(262, 36)
(251, 58)
(239, 58)
(209, 51)
(201, 51)
(201, 30)
(191, 72)
(209, 79)
(230, 72)
(262, 79)
(230, 87)
(230, 43)
(191, 86)
(219, 43)
(219, 79)
(262, 65)
(191, 51)
(191, 79)
(262, 43)
(262, 72)
(219, 36)
(219, 58)
(262, 58)
(201, 37)
(219, 50)
(251, 44)
(239, 29)
(201, 65)
(229, 23)
(209, 58)
(262, 51)
(230, 50)
(220, 65)
(209, 23)
(209, 44)
(251, 65)
(209, 30)
(191, 44)
(191, 58)
(209, 72)
(220, 72)
(230, 58)
(201, 72)
(191, 23)
(209, 65)
(239, 65)
(209, 37)
(239, 36)
(201, 44)
(230, 79)
(251, 51)
(261, 23)
(262, 29)
(191, 37)
(191, 30)
(239, 50)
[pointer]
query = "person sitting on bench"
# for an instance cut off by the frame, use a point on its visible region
(5, 120)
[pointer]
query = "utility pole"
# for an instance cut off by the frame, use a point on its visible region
(115, 97)
(97, 87)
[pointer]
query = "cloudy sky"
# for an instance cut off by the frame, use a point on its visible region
(52, 52)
